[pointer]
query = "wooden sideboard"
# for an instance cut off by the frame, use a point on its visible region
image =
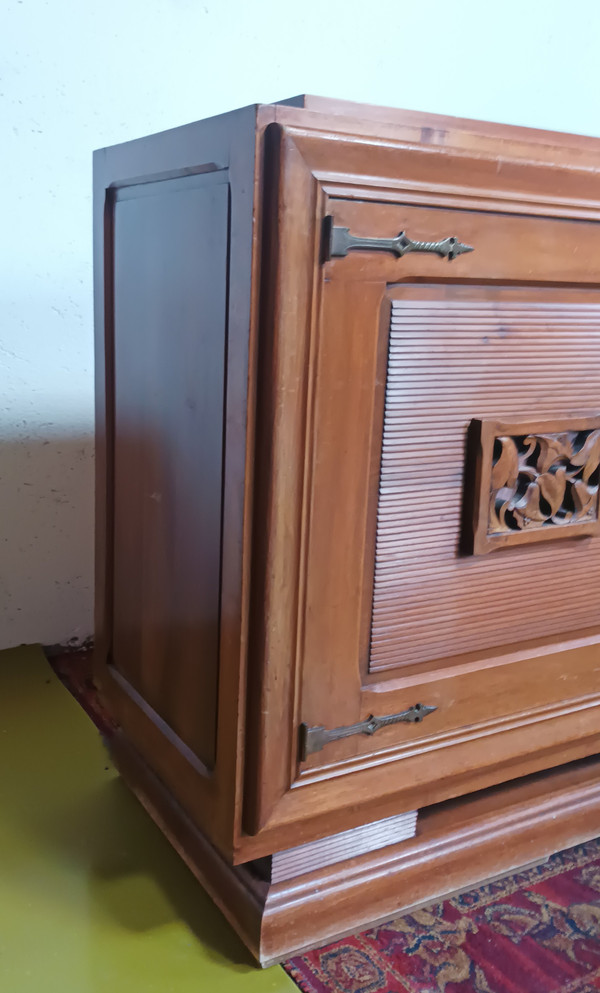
(348, 560)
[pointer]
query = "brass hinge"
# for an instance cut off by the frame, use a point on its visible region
(315, 738)
(338, 241)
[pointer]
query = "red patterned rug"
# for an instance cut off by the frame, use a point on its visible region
(535, 932)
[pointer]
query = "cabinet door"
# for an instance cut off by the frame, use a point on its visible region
(432, 442)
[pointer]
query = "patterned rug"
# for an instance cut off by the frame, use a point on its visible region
(537, 931)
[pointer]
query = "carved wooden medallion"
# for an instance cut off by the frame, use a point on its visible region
(533, 481)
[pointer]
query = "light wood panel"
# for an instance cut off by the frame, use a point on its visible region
(452, 359)
(502, 711)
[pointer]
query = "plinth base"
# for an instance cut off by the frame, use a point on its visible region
(460, 844)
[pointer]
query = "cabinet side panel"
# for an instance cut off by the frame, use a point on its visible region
(170, 298)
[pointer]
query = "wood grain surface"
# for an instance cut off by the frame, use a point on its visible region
(526, 356)
(281, 465)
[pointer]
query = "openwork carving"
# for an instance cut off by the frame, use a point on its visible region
(535, 484)
(541, 479)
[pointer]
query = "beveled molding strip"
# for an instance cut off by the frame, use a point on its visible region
(454, 197)
(445, 739)
(388, 185)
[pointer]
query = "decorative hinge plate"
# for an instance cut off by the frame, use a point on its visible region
(338, 241)
(315, 738)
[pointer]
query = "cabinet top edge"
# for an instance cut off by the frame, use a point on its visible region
(388, 115)
(346, 116)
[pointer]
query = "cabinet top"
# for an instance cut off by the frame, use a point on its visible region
(333, 107)
(345, 117)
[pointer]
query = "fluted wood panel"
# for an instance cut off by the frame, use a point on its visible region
(526, 354)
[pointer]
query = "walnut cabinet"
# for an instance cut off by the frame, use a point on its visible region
(348, 553)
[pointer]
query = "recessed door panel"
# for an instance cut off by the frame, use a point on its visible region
(398, 612)
(456, 355)
(169, 345)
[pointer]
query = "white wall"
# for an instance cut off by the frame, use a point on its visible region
(78, 75)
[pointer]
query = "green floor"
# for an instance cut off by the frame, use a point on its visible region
(92, 897)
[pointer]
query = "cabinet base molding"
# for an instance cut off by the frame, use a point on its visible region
(460, 844)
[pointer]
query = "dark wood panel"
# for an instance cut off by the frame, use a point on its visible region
(170, 343)
(530, 359)
(196, 153)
